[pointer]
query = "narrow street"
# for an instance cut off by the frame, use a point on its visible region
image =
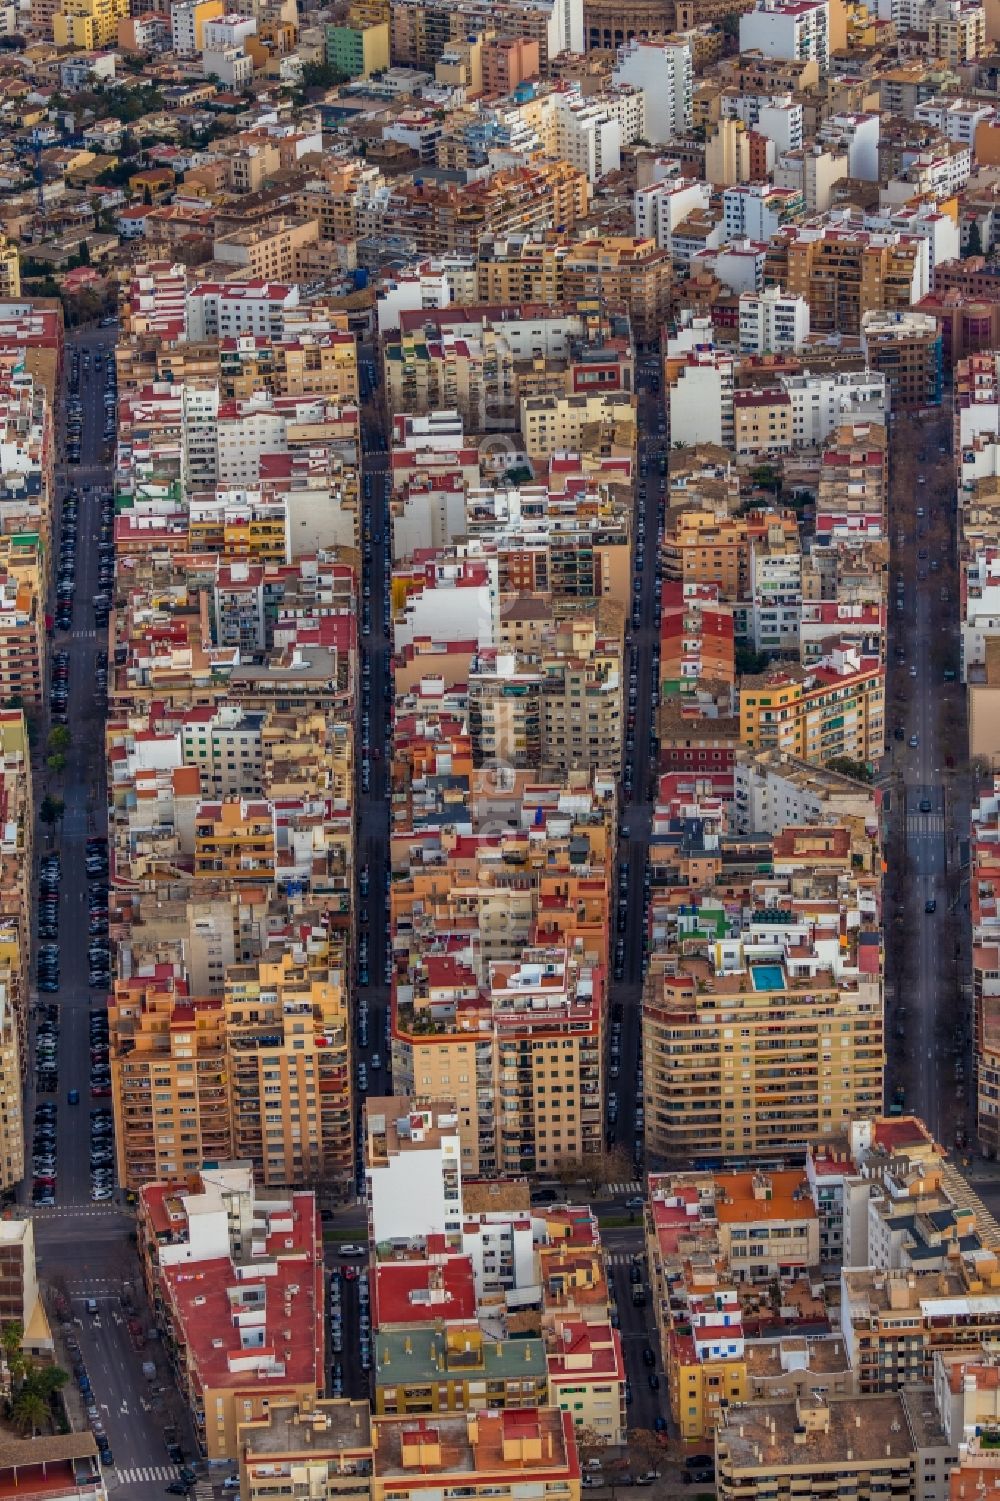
(927, 1036)
(85, 1249)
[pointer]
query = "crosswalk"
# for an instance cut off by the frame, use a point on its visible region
(925, 823)
(617, 1189)
(147, 1473)
(619, 1258)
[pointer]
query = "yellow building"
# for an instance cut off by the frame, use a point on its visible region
(326, 1444)
(162, 1040)
(484, 1456)
(762, 422)
(804, 1004)
(289, 1073)
(86, 25)
(426, 1369)
(957, 35)
(550, 424)
(235, 840)
(727, 154)
(10, 269)
(261, 1073)
(836, 707)
(268, 251)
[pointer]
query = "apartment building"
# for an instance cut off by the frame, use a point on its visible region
(810, 1055)
(895, 1322)
(704, 548)
(489, 1453)
(86, 25)
(245, 1330)
(844, 1446)
(553, 424)
(619, 270)
(326, 1444)
(771, 322)
(834, 707)
(260, 1071)
(456, 1369)
(697, 636)
(847, 272)
(852, 491)
(413, 1168)
(526, 1055)
(785, 29)
(905, 347)
(472, 375)
(289, 1070)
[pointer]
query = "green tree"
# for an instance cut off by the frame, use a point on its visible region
(848, 767)
(750, 661)
(51, 810)
(59, 739)
(17, 1362)
(974, 244)
(83, 255)
(321, 76)
(31, 1413)
(45, 1381)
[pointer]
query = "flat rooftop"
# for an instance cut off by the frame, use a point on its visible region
(875, 1429)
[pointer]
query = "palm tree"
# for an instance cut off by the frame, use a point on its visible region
(11, 1335)
(31, 1412)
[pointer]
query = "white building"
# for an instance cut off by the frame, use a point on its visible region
(413, 1170)
(701, 400)
(858, 135)
(200, 416)
(227, 31)
(756, 210)
(421, 287)
(585, 134)
(923, 221)
(776, 592)
(740, 266)
(821, 402)
(664, 73)
(458, 605)
(788, 28)
(774, 790)
(501, 1248)
(183, 36)
(233, 66)
(661, 207)
(228, 310)
(957, 119)
(772, 320)
(565, 26)
(775, 116)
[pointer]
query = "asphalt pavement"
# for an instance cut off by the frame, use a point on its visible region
(929, 793)
(85, 1249)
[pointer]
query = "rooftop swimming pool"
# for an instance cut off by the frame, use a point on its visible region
(768, 977)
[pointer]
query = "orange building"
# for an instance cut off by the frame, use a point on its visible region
(508, 61)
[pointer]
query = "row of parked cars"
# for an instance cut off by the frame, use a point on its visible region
(105, 564)
(74, 409)
(102, 1150)
(43, 1154)
(83, 1381)
(99, 945)
(110, 400)
(66, 574)
(47, 1049)
(47, 963)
